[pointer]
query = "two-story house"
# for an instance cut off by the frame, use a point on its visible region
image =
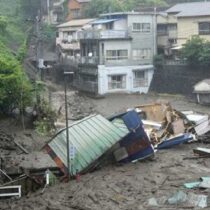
(116, 53)
(180, 22)
(75, 8)
(68, 46)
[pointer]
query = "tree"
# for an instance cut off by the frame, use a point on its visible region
(3, 24)
(30, 7)
(197, 51)
(14, 87)
(192, 50)
(205, 54)
(96, 7)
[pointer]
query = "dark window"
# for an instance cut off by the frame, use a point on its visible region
(204, 28)
(162, 29)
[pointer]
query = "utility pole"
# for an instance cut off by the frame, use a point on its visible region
(39, 49)
(155, 30)
(48, 11)
(67, 125)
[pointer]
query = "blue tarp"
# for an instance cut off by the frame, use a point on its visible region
(168, 143)
(136, 143)
(132, 120)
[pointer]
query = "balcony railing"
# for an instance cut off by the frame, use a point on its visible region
(104, 34)
(89, 60)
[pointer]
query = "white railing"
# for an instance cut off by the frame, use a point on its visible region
(104, 34)
(89, 60)
(10, 191)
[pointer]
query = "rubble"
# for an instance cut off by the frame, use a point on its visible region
(130, 136)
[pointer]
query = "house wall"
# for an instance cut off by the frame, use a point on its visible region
(104, 72)
(72, 5)
(187, 27)
(115, 45)
(120, 24)
(141, 40)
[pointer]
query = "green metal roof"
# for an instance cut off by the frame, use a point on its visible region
(91, 138)
(118, 122)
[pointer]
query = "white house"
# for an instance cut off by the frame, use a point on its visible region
(117, 53)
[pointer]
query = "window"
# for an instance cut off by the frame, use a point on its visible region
(75, 13)
(139, 54)
(162, 29)
(141, 27)
(117, 82)
(204, 28)
(116, 55)
(140, 79)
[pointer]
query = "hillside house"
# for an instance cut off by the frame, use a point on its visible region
(116, 53)
(179, 23)
(75, 8)
(67, 43)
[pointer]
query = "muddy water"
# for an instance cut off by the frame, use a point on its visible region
(120, 102)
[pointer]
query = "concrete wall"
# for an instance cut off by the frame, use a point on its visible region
(120, 24)
(142, 40)
(178, 79)
(104, 72)
(188, 27)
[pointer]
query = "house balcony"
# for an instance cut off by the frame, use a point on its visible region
(120, 61)
(105, 34)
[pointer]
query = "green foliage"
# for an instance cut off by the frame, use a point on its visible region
(197, 51)
(158, 61)
(3, 24)
(96, 7)
(22, 52)
(14, 87)
(48, 32)
(204, 58)
(29, 8)
(45, 122)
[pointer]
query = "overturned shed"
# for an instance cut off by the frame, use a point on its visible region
(136, 145)
(90, 137)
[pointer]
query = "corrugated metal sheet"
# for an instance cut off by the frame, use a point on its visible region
(103, 21)
(91, 137)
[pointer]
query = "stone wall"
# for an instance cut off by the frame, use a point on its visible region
(178, 79)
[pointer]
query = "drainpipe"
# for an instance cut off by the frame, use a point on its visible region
(155, 31)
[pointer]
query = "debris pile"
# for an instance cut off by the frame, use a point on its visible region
(167, 127)
(95, 141)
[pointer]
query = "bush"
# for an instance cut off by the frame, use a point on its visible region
(15, 89)
(158, 61)
(197, 51)
(3, 24)
(46, 117)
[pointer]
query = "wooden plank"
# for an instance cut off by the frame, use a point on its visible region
(21, 147)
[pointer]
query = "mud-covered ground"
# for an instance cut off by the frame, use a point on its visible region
(127, 187)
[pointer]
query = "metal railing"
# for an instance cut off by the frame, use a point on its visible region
(103, 34)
